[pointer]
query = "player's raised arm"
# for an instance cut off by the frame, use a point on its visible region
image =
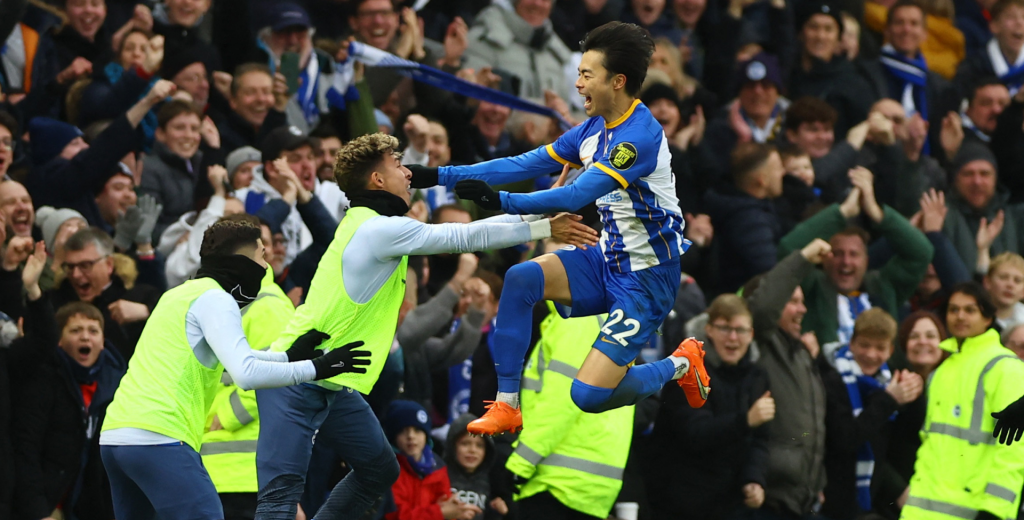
(397, 237)
(626, 163)
(545, 160)
(590, 186)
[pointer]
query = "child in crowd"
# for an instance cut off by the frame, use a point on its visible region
(469, 459)
(422, 491)
(800, 198)
(797, 164)
(1005, 282)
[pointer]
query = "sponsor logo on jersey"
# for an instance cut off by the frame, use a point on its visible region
(623, 156)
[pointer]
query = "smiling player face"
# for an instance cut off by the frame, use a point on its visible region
(596, 84)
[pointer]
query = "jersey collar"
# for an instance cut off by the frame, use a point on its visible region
(623, 117)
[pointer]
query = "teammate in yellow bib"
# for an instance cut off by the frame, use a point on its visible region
(154, 426)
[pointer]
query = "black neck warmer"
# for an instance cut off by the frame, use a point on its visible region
(239, 275)
(384, 203)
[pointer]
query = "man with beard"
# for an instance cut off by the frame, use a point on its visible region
(981, 222)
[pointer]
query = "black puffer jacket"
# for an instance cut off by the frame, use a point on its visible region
(723, 453)
(838, 83)
(746, 229)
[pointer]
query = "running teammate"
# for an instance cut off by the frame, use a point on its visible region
(355, 295)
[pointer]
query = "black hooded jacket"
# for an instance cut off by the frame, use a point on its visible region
(471, 488)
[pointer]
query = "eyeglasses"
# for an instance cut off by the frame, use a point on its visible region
(725, 329)
(84, 265)
(6, 144)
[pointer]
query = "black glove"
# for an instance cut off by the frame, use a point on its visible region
(479, 192)
(518, 482)
(305, 347)
(1010, 422)
(344, 359)
(423, 176)
(985, 515)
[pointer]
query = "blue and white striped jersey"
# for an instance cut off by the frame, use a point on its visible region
(626, 169)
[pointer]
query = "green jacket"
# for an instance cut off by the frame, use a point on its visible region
(887, 287)
(961, 227)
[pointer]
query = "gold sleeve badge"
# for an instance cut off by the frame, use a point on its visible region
(623, 156)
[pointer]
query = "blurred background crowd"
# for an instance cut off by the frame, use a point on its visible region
(849, 170)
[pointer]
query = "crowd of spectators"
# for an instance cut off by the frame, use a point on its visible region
(844, 168)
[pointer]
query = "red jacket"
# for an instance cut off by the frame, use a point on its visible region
(416, 498)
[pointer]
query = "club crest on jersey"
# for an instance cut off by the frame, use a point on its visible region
(623, 156)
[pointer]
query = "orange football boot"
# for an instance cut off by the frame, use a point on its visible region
(499, 418)
(696, 383)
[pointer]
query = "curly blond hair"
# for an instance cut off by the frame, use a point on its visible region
(356, 160)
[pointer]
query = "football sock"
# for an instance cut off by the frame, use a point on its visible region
(524, 287)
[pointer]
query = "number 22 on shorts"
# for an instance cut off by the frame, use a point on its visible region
(633, 326)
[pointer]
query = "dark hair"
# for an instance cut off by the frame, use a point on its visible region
(789, 151)
(357, 159)
(980, 83)
(492, 280)
(91, 235)
(68, 310)
(900, 4)
(436, 214)
(9, 122)
(627, 49)
(173, 109)
(903, 336)
(747, 158)
(243, 217)
(225, 237)
(324, 130)
(356, 4)
(1002, 5)
(981, 297)
(244, 69)
(809, 110)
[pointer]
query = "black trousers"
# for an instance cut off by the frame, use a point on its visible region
(544, 506)
(238, 506)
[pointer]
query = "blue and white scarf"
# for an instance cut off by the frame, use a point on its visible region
(309, 90)
(860, 386)
(309, 85)
(1011, 75)
(849, 307)
(913, 73)
(968, 123)
(344, 74)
